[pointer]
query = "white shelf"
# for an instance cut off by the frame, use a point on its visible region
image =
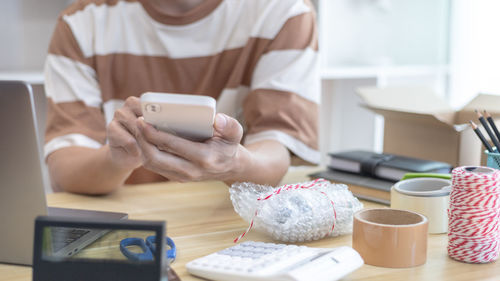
(32, 77)
(356, 72)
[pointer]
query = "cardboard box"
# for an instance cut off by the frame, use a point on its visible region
(418, 123)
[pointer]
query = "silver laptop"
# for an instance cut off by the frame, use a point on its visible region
(23, 179)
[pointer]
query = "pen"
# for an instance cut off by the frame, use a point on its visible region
(493, 126)
(488, 130)
(481, 137)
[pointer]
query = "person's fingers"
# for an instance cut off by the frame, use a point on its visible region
(172, 144)
(228, 128)
(118, 136)
(164, 163)
(126, 118)
(134, 104)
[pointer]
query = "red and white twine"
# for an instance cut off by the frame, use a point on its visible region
(288, 187)
(474, 215)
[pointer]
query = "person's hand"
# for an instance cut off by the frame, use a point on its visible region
(121, 132)
(220, 157)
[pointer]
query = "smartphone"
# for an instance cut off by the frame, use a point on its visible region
(188, 116)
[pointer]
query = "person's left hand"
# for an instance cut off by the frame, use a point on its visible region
(218, 158)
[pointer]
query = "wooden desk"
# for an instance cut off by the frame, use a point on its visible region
(201, 220)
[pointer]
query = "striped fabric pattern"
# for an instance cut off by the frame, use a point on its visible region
(258, 58)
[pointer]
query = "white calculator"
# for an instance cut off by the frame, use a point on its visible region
(269, 261)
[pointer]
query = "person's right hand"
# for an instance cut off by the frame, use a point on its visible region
(121, 131)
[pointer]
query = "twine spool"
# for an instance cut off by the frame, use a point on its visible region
(474, 215)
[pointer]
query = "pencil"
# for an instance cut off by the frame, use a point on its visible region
(481, 137)
(493, 126)
(488, 130)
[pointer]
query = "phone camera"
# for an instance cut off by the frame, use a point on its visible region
(152, 107)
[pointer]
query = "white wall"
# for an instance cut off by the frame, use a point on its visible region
(25, 30)
(399, 32)
(474, 49)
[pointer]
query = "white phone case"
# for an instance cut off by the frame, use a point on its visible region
(187, 116)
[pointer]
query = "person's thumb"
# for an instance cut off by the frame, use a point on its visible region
(228, 128)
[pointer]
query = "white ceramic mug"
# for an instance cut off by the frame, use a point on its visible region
(427, 196)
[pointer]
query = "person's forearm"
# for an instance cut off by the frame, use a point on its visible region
(264, 162)
(93, 173)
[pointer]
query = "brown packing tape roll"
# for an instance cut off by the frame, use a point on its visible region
(390, 237)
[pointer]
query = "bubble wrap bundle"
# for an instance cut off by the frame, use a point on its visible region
(295, 213)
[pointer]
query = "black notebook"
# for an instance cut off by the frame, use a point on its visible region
(384, 166)
(367, 188)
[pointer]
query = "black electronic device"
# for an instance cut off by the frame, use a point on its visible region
(104, 259)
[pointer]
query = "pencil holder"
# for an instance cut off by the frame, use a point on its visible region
(493, 160)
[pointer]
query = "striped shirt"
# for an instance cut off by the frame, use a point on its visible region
(257, 58)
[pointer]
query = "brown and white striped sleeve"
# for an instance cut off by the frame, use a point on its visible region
(74, 116)
(285, 88)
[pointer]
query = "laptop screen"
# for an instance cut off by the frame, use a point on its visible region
(22, 173)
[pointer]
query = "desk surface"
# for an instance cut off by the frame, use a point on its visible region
(201, 220)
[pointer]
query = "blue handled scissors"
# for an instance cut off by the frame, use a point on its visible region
(148, 248)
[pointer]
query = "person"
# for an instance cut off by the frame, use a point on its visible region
(257, 58)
